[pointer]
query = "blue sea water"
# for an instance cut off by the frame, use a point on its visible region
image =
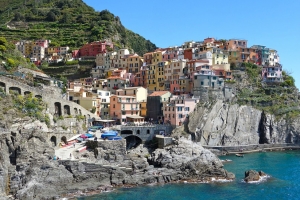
(284, 183)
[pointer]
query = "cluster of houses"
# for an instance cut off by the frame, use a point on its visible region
(160, 86)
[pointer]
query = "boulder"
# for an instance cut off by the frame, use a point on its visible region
(251, 176)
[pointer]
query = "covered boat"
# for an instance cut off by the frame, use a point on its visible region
(116, 138)
(109, 134)
(89, 135)
(83, 136)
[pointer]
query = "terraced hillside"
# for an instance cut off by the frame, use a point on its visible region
(66, 23)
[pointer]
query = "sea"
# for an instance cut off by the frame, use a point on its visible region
(283, 183)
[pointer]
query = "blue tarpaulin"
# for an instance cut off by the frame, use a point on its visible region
(89, 135)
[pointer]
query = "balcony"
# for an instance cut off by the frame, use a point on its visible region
(115, 87)
(129, 109)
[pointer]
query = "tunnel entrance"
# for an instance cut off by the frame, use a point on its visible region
(53, 141)
(132, 141)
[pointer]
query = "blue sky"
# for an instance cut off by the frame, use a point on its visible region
(275, 24)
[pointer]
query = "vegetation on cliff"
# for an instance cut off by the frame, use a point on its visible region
(280, 99)
(66, 23)
(18, 106)
(10, 58)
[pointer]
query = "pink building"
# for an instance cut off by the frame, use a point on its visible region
(169, 54)
(209, 40)
(272, 74)
(125, 109)
(178, 108)
(75, 53)
(42, 43)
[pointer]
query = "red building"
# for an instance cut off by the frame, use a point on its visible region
(188, 54)
(94, 48)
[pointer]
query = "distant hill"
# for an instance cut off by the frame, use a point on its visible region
(66, 23)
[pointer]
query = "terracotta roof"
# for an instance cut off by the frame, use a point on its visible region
(158, 93)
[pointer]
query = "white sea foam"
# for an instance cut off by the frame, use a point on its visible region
(221, 180)
(261, 179)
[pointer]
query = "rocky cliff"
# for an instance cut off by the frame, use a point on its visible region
(228, 124)
(28, 171)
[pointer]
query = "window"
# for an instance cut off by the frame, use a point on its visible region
(114, 106)
(202, 83)
(187, 109)
(180, 116)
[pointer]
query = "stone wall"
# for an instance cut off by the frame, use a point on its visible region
(163, 141)
(56, 105)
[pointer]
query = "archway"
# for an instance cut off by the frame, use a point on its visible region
(53, 141)
(27, 93)
(132, 141)
(2, 87)
(14, 90)
(64, 139)
(67, 110)
(75, 111)
(126, 132)
(57, 106)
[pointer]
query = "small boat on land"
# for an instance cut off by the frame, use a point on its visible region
(109, 134)
(239, 155)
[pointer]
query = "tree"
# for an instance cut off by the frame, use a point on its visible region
(18, 16)
(2, 48)
(67, 18)
(3, 41)
(51, 16)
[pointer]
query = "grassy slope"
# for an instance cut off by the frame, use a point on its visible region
(73, 24)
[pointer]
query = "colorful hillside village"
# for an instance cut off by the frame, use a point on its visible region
(163, 86)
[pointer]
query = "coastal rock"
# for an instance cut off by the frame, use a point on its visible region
(253, 175)
(223, 124)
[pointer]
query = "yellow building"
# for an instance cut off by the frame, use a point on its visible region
(155, 70)
(219, 56)
(143, 107)
(157, 57)
(152, 77)
(134, 63)
(160, 75)
(29, 48)
(233, 56)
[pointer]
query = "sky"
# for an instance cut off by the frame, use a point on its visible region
(275, 24)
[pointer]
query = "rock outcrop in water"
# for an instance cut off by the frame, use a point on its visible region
(28, 171)
(253, 176)
(228, 124)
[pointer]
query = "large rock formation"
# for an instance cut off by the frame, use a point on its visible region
(224, 124)
(27, 170)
